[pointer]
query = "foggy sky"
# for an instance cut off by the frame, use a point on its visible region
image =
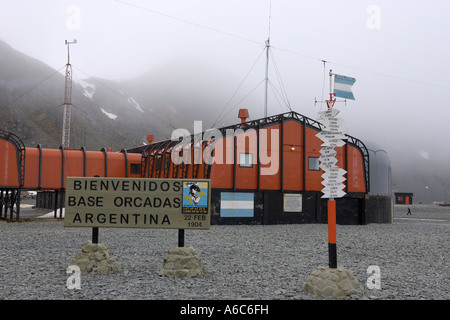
(397, 51)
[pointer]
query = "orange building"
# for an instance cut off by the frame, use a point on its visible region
(267, 171)
(263, 171)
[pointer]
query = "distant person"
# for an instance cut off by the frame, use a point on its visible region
(409, 211)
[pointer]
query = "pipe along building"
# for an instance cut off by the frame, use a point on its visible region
(263, 171)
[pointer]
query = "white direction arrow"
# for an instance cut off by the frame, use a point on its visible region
(336, 170)
(329, 164)
(329, 113)
(332, 186)
(328, 160)
(329, 135)
(333, 143)
(332, 176)
(325, 151)
(329, 194)
(337, 179)
(328, 154)
(333, 124)
(333, 121)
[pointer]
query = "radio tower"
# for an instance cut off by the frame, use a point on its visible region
(67, 99)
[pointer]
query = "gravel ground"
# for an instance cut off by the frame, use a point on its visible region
(241, 262)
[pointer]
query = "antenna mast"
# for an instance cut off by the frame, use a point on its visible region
(267, 76)
(267, 63)
(67, 99)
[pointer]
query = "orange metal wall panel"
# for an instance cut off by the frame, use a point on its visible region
(31, 180)
(221, 172)
(51, 169)
(246, 178)
(73, 164)
(222, 176)
(271, 172)
(293, 168)
(313, 146)
(8, 165)
(355, 173)
(293, 156)
(246, 144)
(116, 164)
(95, 164)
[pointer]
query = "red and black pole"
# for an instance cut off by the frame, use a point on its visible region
(332, 255)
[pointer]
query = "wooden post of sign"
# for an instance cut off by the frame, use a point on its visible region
(181, 237)
(95, 235)
(332, 255)
(95, 229)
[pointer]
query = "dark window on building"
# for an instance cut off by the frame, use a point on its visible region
(313, 163)
(135, 168)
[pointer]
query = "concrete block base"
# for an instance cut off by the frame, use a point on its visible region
(332, 282)
(182, 262)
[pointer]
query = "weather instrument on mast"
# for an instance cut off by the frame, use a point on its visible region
(67, 99)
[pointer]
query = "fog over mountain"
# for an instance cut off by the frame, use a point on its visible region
(120, 114)
(32, 97)
(105, 113)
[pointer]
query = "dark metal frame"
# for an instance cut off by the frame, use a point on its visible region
(10, 195)
(150, 151)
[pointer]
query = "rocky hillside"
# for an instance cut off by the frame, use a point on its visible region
(32, 97)
(105, 113)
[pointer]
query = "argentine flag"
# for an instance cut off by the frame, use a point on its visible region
(343, 86)
(236, 204)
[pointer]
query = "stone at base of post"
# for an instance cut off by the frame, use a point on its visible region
(182, 262)
(332, 282)
(95, 257)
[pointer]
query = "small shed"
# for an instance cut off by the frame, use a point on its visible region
(403, 198)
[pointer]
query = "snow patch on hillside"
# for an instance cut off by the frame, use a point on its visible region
(110, 115)
(88, 89)
(135, 104)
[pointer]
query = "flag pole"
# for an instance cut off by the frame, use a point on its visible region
(330, 105)
(331, 79)
(331, 207)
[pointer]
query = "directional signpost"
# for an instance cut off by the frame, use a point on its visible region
(333, 176)
(332, 281)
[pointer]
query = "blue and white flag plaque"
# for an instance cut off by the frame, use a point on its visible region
(236, 204)
(343, 86)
